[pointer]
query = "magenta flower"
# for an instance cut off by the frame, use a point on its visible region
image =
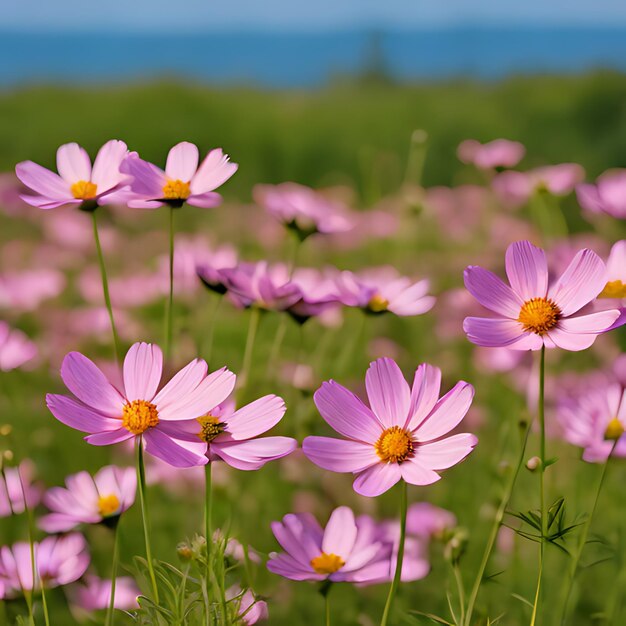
(77, 181)
(139, 409)
(250, 610)
(427, 520)
(26, 290)
(488, 156)
(95, 594)
(16, 349)
(89, 500)
(608, 195)
(534, 311)
(59, 560)
(402, 435)
(232, 436)
(15, 483)
(182, 181)
(615, 287)
(346, 550)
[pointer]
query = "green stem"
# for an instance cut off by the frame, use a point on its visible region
(327, 607)
(116, 548)
(105, 287)
(349, 352)
(170, 301)
(141, 481)
(255, 315)
(398, 573)
(28, 594)
(217, 300)
(460, 589)
(279, 337)
(208, 510)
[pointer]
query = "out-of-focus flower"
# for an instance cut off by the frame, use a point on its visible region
(77, 182)
(488, 156)
(515, 188)
(26, 290)
(615, 287)
(232, 436)
(251, 610)
(16, 348)
(59, 560)
(302, 209)
(608, 195)
(381, 289)
(533, 311)
(129, 291)
(15, 483)
(95, 594)
(111, 416)
(182, 181)
(402, 435)
(427, 520)
(346, 550)
(89, 500)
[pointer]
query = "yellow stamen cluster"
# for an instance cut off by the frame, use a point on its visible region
(210, 427)
(327, 563)
(176, 190)
(138, 416)
(614, 430)
(377, 303)
(614, 289)
(108, 505)
(539, 315)
(395, 445)
(84, 190)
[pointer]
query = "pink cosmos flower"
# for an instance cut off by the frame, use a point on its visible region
(488, 156)
(139, 409)
(16, 348)
(615, 288)
(535, 311)
(182, 181)
(608, 195)
(59, 560)
(15, 483)
(346, 550)
(26, 290)
(77, 181)
(379, 290)
(250, 610)
(95, 594)
(232, 436)
(302, 209)
(89, 500)
(402, 435)
(427, 520)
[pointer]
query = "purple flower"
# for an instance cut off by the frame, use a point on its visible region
(402, 435)
(488, 156)
(95, 594)
(15, 483)
(251, 610)
(608, 195)
(16, 348)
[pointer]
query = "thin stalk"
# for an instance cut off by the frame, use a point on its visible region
(277, 344)
(105, 286)
(116, 549)
(170, 301)
(460, 589)
(141, 481)
(208, 510)
(28, 595)
(253, 326)
(327, 608)
(398, 573)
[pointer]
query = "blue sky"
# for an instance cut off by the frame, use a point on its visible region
(182, 15)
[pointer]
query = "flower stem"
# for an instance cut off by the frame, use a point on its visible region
(28, 594)
(170, 301)
(255, 315)
(327, 607)
(105, 286)
(279, 337)
(116, 549)
(214, 309)
(398, 573)
(460, 589)
(141, 481)
(208, 533)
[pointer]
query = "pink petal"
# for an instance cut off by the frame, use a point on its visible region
(79, 416)
(345, 413)
(182, 384)
(593, 323)
(143, 367)
(109, 438)
(208, 200)
(491, 292)
(339, 455)
(416, 474)
(161, 446)
(527, 270)
(340, 533)
(43, 202)
(61, 522)
(148, 180)
(256, 418)
(43, 181)
(182, 161)
(215, 170)
(493, 333)
(106, 168)
(85, 380)
(377, 479)
(253, 454)
(582, 281)
(447, 414)
(388, 392)
(287, 567)
(445, 453)
(424, 393)
(73, 163)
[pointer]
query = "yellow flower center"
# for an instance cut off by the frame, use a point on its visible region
(614, 430)
(377, 303)
(108, 505)
(327, 563)
(138, 416)
(210, 427)
(176, 190)
(394, 445)
(539, 315)
(614, 289)
(84, 190)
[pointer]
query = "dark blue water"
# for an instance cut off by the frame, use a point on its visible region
(304, 60)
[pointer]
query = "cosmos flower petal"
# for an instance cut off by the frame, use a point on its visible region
(79, 416)
(340, 533)
(424, 393)
(109, 438)
(491, 292)
(377, 479)
(345, 413)
(388, 392)
(286, 566)
(73, 163)
(163, 447)
(493, 333)
(143, 367)
(447, 414)
(214, 170)
(43, 202)
(339, 455)
(106, 167)
(182, 384)
(148, 180)
(580, 283)
(254, 453)
(445, 453)
(43, 181)
(60, 522)
(414, 473)
(593, 323)
(182, 161)
(300, 535)
(208, 200)
(256, 418)
(527, 270)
